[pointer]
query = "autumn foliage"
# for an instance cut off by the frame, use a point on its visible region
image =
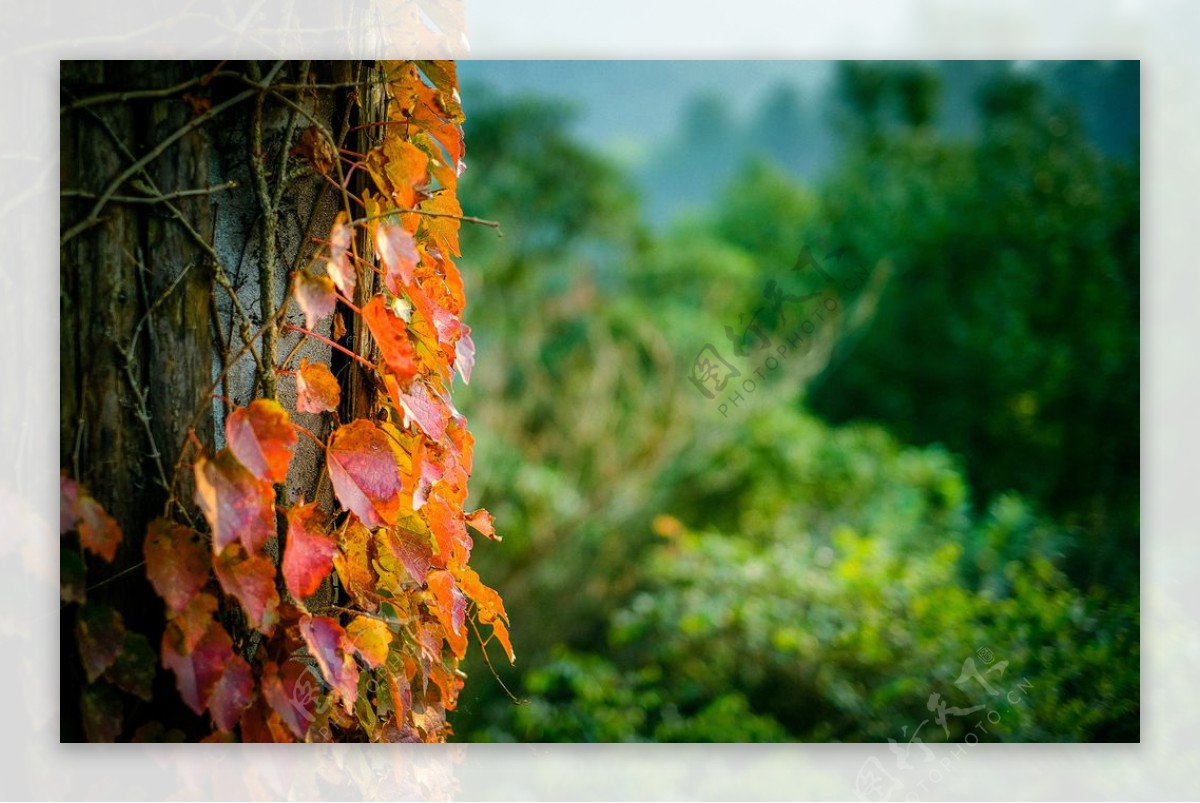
(251, 643)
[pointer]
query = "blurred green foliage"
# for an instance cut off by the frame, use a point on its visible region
(949, 473)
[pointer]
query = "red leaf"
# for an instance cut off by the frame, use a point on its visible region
(177, 562)
(420, 405)
(308, 556)
(197, 671)
(317, 391)
(365, 472)
(398, 252)
(262, 439)
(292, 693)
(450, 609)
(68, 503)
(231, 693)
(235, 502)
(339, 266)
(101, 634)
(252, 580)
(315, 296)
(370, 638)
(390, 333)
(427, 470)
(482, 521)
(327, 644)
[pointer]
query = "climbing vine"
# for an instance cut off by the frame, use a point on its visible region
(342, 615)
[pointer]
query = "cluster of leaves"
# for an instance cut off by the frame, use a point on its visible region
(248, 637)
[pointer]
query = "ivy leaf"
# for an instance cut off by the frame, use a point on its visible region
(315, 295)
(464, 355)
(262, 439)
(365, 472)
(444, 76)
(133, 670)
(449, 530)
(101, 634)
(412, 550)
(389, 332)
(450, 608)
(482, 521)
(198, 670)
(339, 266)
(235, 502)
(72, 582)
(370, 639)
(77, 510)
(327, 644)
(317, 390)
(442, 227)
(291, 693)
(177, 562)
(192, 622)
(251, 579)
(420, 405)
(308, 556)
(488, 603)
(398, 252)
(102, 713)
(68, 503)
(353, 564)
(231, 693)
(261, 725)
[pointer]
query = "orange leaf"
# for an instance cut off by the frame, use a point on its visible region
(482, 521)
(235, 502)
(365, 472)
(370, 639)
(98, 532)
(308, 556)
(262, 439)
(317, 390)
(353, 564)
(177, 562)
(389, 331)
(251, 580)
(315, 296)
(450, 609)
(192, 622)
(442, 227)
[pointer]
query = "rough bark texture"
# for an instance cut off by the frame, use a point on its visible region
(147, 323)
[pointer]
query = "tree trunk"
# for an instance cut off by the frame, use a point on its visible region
(162, 285)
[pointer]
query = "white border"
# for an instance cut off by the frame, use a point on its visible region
(37, 34)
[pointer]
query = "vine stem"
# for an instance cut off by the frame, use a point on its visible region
(309, 333)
